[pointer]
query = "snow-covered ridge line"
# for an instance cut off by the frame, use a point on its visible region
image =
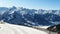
(30, 17)
(39, 11)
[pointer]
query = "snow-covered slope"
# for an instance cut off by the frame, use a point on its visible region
(3, 9)
(15, 29)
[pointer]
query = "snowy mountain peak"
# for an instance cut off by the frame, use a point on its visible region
(31, 17)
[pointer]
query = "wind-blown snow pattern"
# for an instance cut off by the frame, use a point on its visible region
(30, 17)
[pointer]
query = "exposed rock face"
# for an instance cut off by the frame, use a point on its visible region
(55, 28)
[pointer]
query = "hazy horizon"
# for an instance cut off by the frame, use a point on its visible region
(32, 4)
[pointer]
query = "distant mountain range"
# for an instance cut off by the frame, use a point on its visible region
(29, 17)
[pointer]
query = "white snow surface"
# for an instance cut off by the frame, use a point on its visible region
(16, 29)
(44, 27)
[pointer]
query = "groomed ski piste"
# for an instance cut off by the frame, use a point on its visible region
(6, 28)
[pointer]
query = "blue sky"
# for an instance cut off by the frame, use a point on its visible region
(32, 4)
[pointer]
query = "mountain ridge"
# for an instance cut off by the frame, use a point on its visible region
(31, 17)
